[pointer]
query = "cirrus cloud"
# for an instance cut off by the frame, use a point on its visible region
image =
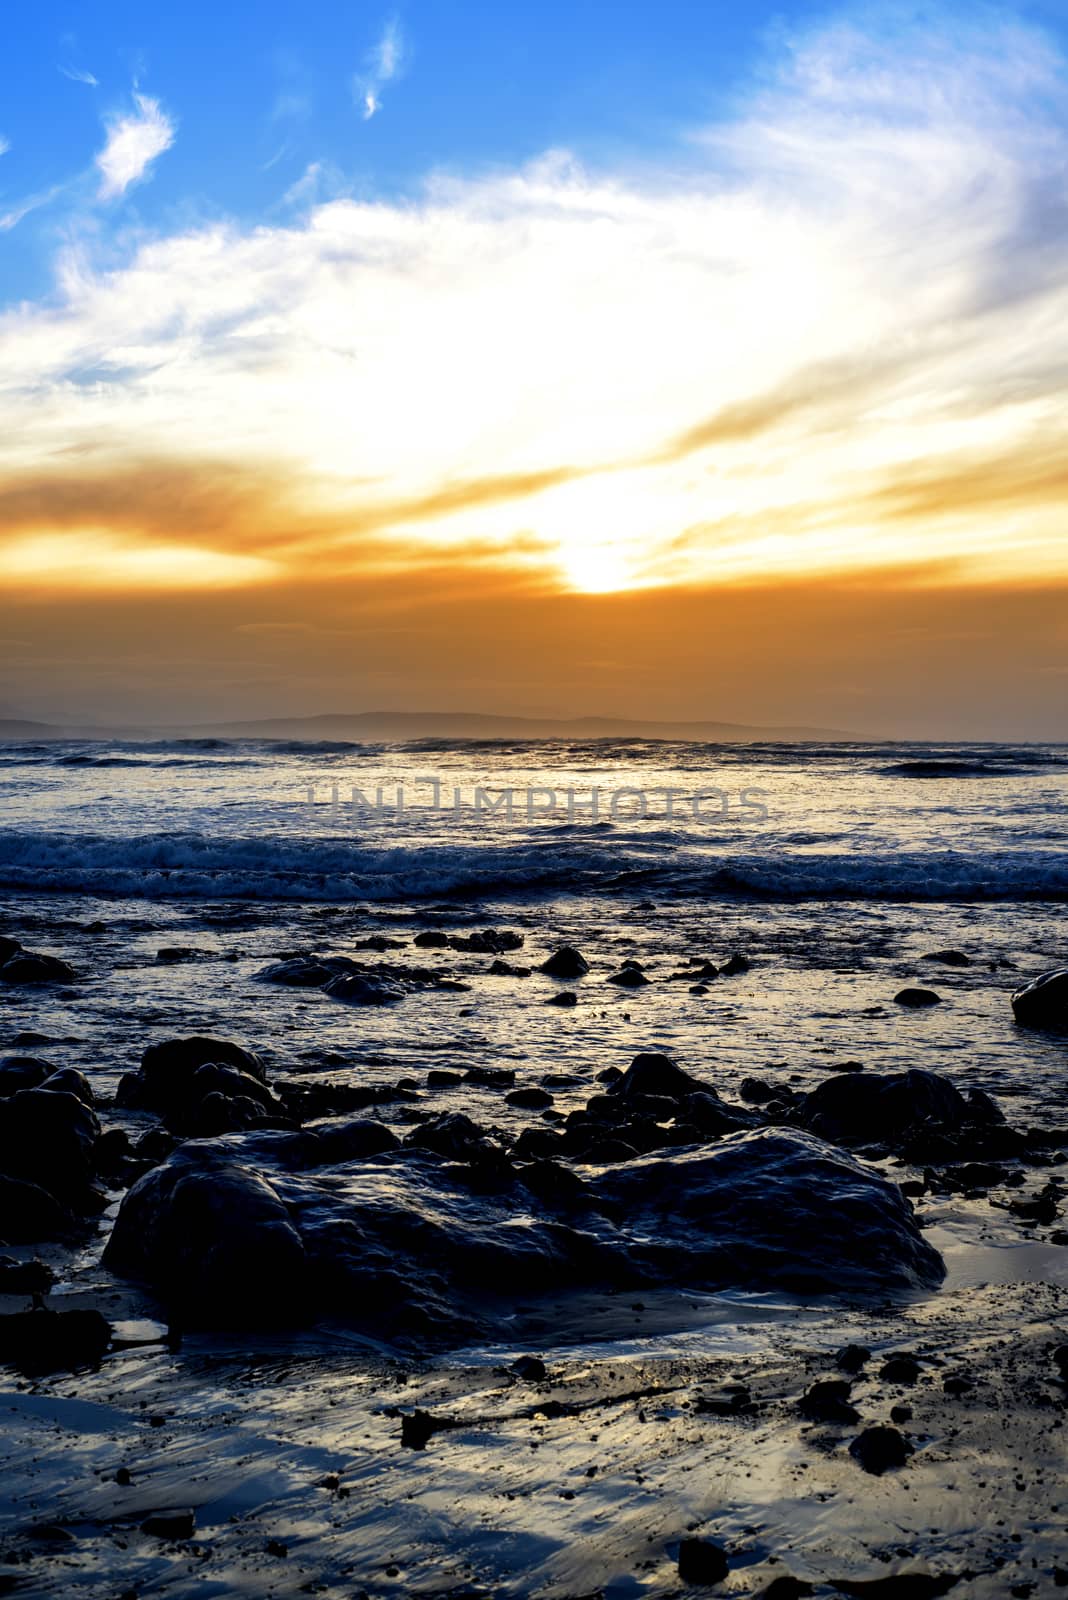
(134, 141)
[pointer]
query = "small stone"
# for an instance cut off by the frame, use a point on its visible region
(852, 1357)
(880, 1449)
(171, 1525)
(917, 999)
(703, 1562)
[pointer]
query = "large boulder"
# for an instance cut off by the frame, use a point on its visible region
(214, 1238)
(1043, 1003)
(48, 1137)
(30, 1215)
(25, 966)
(869, 1107)
(164, 1082)
(406, 1245)
(22, 1072)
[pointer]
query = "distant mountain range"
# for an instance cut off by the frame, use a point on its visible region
(375, 726)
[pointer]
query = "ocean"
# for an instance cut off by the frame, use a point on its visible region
(171, 876)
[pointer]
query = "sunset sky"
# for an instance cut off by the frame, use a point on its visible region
(688, 360)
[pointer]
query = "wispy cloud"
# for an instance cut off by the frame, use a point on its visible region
(134, 141)
(14, 214)
(382, 64)
(78, 75)
(786, 354)
(5, 145)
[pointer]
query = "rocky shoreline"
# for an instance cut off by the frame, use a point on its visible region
(224, 1200)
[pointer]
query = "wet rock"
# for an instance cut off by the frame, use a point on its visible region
(305, 971)
(491, 1077)
(165, 1081)
(22, 1072)
(490, 941)
(787, 1587)
(531, 1369)
(442, 1078)
(30, 1214)
(25, 1277)
(701, 1561)
(566, 998)
(170, 1525)
(333, 1143)
(917, 999)
(404, 1243)
(24, 967)
(756, 1091)
(566, 962)
(213, 1238)
(828, 1401)
(734, 965)
(880, 1449)
(1042, 1003)
(852, 1358)
(364, 989)
(900, 1369)
(505, 969)
(419, 1427)
(656, 1075)
(432, 939)
(48, 1137)
(628, 977)
(948, 958)
(8, 948)
(873, 1107)
(455, 1137)
(529, 1099)
(68, 1080)
(40, 1341)
(898, 1586)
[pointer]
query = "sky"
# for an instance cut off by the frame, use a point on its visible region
(697, 361)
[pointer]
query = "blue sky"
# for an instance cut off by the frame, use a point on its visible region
(258, 93)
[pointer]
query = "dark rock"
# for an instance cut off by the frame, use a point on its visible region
(491, 1077)
(403, 1244)
(364, 989)
(529, 1099)
(214, 1238)
(870, 1106)
(27, 967)
(170, 1525)
(900, 1414)
(40, 1341)
(650, 1074)
(786, 1587)
(68, 1080)
(379, 942)
(566, 997)
(49, 1138)
(852, 1358)
(702, 1562)
(530, 1368)
(898, 1586)
(490, 941)
(432, 939)
(880, 1449)
(164, 1082)
(828, 1401)
(948, 958)
(30, 1214)
(333, 1143)
(1042, 1003)
(419, 1427)
(442, 1078)
(25, 1277)
(22, 1072)
(565, 963)
(900, 1369)
(756, 1091)
(505, 969)
(734, 965)
(628, 978)
(916, 999)
(455, 1137)
(8, 948)
(306, 971)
